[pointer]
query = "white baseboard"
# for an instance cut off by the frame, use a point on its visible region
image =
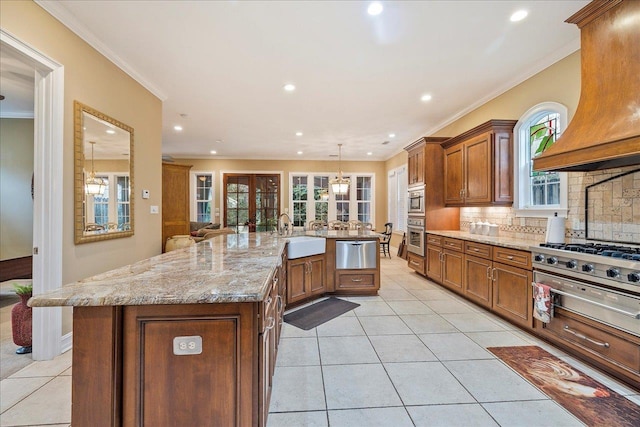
(66, 342)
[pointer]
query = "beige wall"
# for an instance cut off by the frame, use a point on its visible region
(93, 80)
(291, 166)
(16, 205)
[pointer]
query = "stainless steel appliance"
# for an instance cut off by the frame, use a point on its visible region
(416, 201)
(598, 281)
(415, 235)
(355, 254)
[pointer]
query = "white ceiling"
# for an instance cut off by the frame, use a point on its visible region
(358, 77)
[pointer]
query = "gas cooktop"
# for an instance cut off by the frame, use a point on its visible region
(604, 249)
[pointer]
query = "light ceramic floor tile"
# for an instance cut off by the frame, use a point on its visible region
(358, 386)
(298, 352)
(68, 372)
(346, 350)
(389, 284)
(372, 298)
(374, 417)
(492, 381)
(50, 404)
(531, 413)
(472, 322)
(401, 348)
(410, 307)
(384, 325)
(468, 415)
(431, 294)
(297, 388)
(47, 368)
(290, 331)
(340, 327)
(428, 324)
(426, 383)
(454, 346)
(298, 419)
(396, 295)
(448, 307)
(497, 339)
(13, 390)
(374, 308)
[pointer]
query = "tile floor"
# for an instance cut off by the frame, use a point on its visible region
(412, 356)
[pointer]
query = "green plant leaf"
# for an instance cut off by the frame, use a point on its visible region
(23, 289)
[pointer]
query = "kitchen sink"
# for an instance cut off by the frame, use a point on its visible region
(303, 246)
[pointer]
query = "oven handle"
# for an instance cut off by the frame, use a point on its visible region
(566, 328)
(617, 310)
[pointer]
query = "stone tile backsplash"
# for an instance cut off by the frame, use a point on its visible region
(614, 211)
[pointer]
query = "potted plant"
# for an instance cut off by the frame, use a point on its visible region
(21, 318)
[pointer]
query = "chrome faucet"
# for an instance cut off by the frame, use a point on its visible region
(284, 227)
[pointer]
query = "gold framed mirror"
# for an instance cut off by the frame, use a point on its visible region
(103, 175)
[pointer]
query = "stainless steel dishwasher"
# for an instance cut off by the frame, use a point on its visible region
(356, 254)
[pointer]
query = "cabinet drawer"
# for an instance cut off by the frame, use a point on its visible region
(512, 257)
(478, 249)
(355, 280)
(417, 263)
(453, 244)
(434, 240)
(596, 339)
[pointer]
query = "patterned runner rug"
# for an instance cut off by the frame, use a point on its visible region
(593, 403)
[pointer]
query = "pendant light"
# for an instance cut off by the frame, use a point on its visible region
(93, 185)
(339, 185)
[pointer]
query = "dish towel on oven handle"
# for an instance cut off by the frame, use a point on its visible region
(542, 305)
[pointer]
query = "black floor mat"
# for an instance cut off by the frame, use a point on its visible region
(318, 313)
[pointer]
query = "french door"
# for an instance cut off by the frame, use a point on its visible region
(251, 201)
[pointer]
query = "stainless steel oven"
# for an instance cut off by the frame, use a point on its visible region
(416, 201)
(415, 235)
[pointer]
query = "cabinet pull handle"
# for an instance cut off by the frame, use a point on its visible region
(269, 300)
(489, 273)
(415, 263)
(272, 323)
(356, 280)
(509, 257)
(586, 338)
(476, 250)
(493, 275)
(279, 304)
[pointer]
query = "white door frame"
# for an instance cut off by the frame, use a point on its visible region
(47, 202)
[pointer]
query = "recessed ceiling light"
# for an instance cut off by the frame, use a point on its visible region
(425, 98)
(519, 16)
(375, 8)
(299, 152)
(369, 153)
(111, 131)
(177, 127)
(298, 133)
(289, 87)
(392, 135)
(213, 152)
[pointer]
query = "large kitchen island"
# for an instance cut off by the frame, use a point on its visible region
(190, 337)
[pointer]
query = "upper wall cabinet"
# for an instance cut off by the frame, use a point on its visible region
(416, 157)
(478, 165)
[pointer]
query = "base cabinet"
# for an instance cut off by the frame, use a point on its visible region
(513, 294)
(306, 277)
(417, 263)
(453, 264)
(477, 280)
(433, 257)
(366, 282)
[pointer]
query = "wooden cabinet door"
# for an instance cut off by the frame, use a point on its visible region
(512, 293)
(316, 275)
(175, 201)
(417, 263)
(296, 280)
(478, 170)
(453, 270)
(453, 175)
(416, 166)
(434, 263)
(477, 280)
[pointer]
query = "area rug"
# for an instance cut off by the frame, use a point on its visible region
(587, 399)
(318, 313)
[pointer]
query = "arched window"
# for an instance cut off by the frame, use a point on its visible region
(539, 194)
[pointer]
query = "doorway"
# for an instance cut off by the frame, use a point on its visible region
(251, 201)
(47, 201)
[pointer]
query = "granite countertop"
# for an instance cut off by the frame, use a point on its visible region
(228, 268)
(506, 242)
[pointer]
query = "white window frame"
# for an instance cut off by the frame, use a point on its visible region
(397, 192)
(193, 199)
(522, 181)
(112, 204)
(353, 201)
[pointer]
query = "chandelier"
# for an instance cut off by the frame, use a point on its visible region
(339, 185)
(93, 185)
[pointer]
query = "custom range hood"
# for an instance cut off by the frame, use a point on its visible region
(605, 130)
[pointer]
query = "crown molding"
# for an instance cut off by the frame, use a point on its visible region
(58, 11)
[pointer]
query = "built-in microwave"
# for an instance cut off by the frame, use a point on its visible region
(416, 201)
